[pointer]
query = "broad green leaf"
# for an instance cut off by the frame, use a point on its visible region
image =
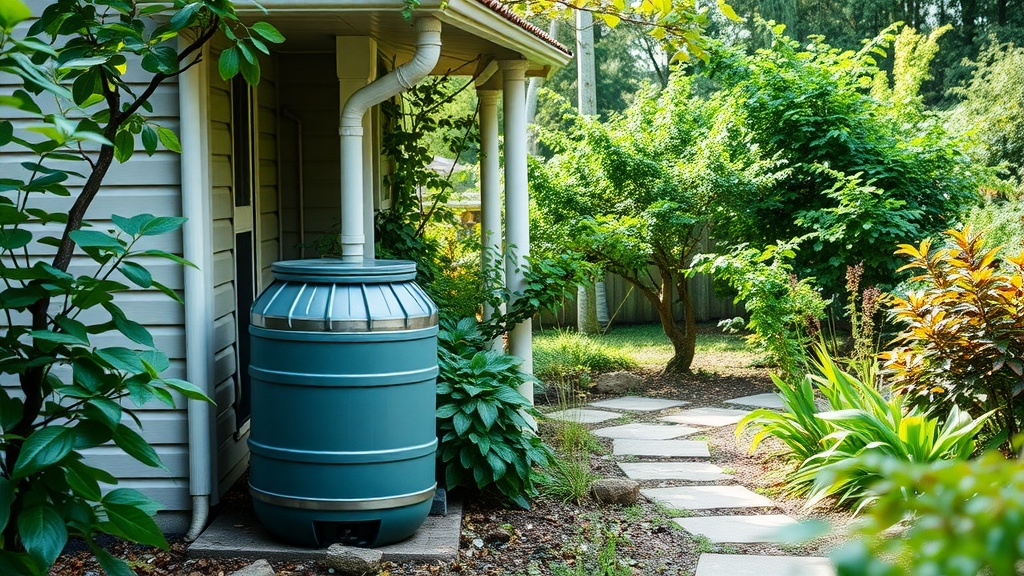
(57, 337)
(182, 18)
(6, 131)
(18, 564)
(107, 411)
(149, 139)
(134, 331)
(14, 238)
(124, 146)
(131, 226)
(250, 71)
(6, 500)
(162, 224)
(187, 389)
(13, 12)
(728, 11)
(82, 483)
(96, 239)
(121, 359)
(488, 413)
(169, 139)
(267, 31)
(43, 448)
(228, 63)
(137, 274)
(134, 524)
(42, 532)
(137, 447)
(129, 497)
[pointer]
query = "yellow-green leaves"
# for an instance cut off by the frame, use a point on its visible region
(13, 12)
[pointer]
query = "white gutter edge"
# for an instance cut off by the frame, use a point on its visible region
(468, 15)
(404, 77)
(198, 308)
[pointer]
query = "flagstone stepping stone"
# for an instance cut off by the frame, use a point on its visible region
(744, 565)
(738, 529)
(706, 416)
(691, 471)
(767, 400)
(583, 416)
(707, 497)
(662, 448)
(645, 431)
(638, 404)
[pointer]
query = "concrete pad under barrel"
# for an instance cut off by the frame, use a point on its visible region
(661, 448)
(583, 416)
(767, 400)
(707, 497)
(706, 417)
(690, 471)
(645, 431)
(744, 565)
(240, 535)
(739, 529)
(638, 404)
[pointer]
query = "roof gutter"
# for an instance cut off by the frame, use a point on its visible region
(196, 239)
(402, 78)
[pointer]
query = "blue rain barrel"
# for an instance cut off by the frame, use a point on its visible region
(344, 366)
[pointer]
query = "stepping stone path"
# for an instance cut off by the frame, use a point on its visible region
(584, 416)
(645, 431)
(768, 400)
(659, 441)
(638, 404)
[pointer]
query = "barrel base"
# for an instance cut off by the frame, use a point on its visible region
(321, 528)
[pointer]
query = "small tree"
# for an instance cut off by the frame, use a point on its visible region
(73, 64)
(640, 191)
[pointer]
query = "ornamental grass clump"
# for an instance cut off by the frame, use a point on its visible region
(861, 419)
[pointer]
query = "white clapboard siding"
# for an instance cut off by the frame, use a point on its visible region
(145, 184)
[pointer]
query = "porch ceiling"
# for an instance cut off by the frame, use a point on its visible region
(473, 33)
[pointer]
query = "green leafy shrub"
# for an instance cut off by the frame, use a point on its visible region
(784, 311)
(962, 519)
(94, 67)
(861, 420)
(1001, 222)
(485, 438)
(962, 340)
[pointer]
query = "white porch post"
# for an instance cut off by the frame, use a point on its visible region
(517, 204)
(490, 190)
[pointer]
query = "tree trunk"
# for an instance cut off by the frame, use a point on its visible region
(586, 310)
(682, 333)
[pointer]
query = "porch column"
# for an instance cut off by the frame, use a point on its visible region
(517, 204)
(490, 190)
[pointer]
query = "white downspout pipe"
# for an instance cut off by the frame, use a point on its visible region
(404, 77)
(196, 240)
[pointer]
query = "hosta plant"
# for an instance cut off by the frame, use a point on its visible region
(485, 438)
(962, 338)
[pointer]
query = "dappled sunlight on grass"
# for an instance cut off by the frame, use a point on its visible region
(650, 349)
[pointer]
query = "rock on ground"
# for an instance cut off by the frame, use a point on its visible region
(617, 383)
(257, 568)
(615, 491)
(352, 561)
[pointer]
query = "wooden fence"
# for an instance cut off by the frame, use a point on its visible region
(626, 306)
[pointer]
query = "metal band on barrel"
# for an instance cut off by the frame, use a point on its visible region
(320, 325)
(347, 505)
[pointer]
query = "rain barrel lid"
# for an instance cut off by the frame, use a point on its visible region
(332, 295)
(335, 270)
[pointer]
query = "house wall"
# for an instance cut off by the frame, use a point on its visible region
(232, 452)
(142, 185)
(309, 92)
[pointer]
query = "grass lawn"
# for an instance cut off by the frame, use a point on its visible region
(645, 345)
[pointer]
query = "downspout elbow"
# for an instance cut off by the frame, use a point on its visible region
(404, 77)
